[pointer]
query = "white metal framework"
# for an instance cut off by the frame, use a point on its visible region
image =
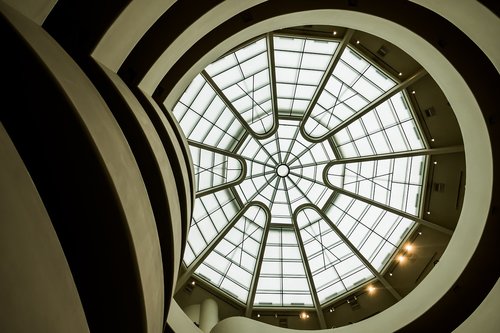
(310, 170)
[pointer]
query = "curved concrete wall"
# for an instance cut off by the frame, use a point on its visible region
(36, 286)
(116, 159)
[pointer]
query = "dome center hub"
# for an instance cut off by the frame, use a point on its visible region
(282, 170)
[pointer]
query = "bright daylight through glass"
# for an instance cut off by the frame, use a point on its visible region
(303, 192)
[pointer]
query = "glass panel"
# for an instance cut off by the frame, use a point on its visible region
(212, 169)
(300, 64)
(210, 215)
(282, 280)
(231, 264)
(331, 261)
(374, 232)
(205, 118)
(394, 182)
(387, 128)
(353, 84)
(243, 77)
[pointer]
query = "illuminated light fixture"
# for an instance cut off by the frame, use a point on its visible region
(193, 283)
(357, 42)
(332, 309)
(334, 32)
(435, 162)
(420, 232)
(258, 315)
(401, 258)
(275, 315)
(303, 315)
(390, 274)
(428, 213)
(371, 289)
(413, 92)
(408, 247)
(433, 140)
(400, 73)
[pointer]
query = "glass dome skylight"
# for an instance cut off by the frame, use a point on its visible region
(309, 169)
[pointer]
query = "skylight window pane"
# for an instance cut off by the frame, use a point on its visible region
(212, 212)
(212, 169)
(380, 79)
(289, 281)
(301, 62)
(373, 229)
(234, 257)
(353, 83)
(206, 119)
(391, 178)
(243, 76)
(385, 131)
(335, 261)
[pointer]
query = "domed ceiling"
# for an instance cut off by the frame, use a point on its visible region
(309, 170)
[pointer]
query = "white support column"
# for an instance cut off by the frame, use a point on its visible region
(209, 315)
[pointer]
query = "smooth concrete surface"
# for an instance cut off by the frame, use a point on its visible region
(464, 14)
(476, 141)
(115, 155)
(37, 291)
(185, 164)
(209, 315)
(163, 163)
(179, 322)
(133, 22)
(485, 319)
(36, 10)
